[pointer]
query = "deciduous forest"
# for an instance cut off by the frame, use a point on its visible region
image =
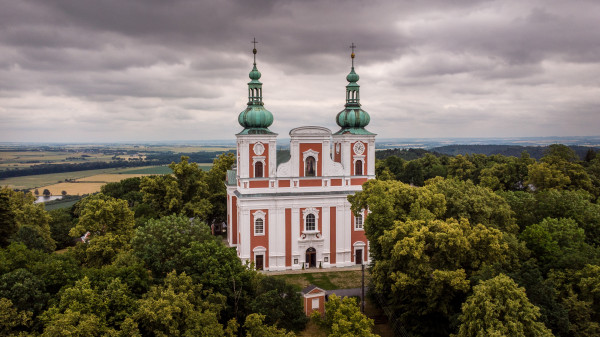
(467, 245)
(479, 245)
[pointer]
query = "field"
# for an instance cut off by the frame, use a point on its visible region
(37, 181)
(325, 280)
(17, 156)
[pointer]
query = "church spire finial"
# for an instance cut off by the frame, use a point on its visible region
(254, 49)
(255, 119)
(353, 118)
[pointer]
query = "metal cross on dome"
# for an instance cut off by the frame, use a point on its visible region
(254, 49)
(352, 55)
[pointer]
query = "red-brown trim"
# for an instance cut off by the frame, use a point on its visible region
(317, 147)
(311, 182)
(259, 183)
(259, 240)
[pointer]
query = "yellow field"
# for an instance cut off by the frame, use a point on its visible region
(21, 157)
(87, 185)
(73, 188)
(110, 178)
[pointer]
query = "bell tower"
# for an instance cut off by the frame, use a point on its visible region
(353, 145)
(256, 144)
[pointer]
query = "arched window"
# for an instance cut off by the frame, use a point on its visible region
(310, 169)
(259, 227)
(309, 224)
(358, 168)
(258, 169)
(358, 222)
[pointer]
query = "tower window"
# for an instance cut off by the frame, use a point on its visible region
(358, 222)
(358, 168)
(258, 169)
(259, 227)
(309, 224)
(310, 167)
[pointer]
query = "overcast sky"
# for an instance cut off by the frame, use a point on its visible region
(136, 70)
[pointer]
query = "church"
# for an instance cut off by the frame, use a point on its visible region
(290, 211)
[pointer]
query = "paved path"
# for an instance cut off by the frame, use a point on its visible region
(312, 270)
(347, 292)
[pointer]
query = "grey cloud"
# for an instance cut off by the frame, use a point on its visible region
(179, 68)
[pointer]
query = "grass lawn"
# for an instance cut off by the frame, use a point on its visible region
(326, 280)
(40, 180)
(164, 169)
(312, 330)
(60, 205)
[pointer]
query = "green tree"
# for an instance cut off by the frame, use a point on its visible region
(179, 307)
(542, 294)
(559, 152)
(186, 191)
(217, 192)
(280, 303)
(12, 320)
(25, 290)
(579, 292)
(110, 224)
(413, 173)
(22, 220)
(576, 205)
(393, 165)
(126, 267)
(560, 169)
(498, 307)
(255, 327)
(343, 318)
(87, 311)
(461, 168)
(428, 264)
(219, 269)
(478, 204)
(159, 243)
(61, 222)
(559, 243)
(545, 176)
(46, 192)
(393, 200)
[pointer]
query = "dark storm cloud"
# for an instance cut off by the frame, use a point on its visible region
(177, 66)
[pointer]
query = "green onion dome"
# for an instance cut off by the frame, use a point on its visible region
(353, 118)
(255, 119)
(254, 74)
(352, 76)
(255, 116)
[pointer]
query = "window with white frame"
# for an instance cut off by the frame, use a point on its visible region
(358, 222)
(258, 169)
(310, 222)
(259, 223)
(259, 227)
(358, 168)
(310, 167)
(311, 218)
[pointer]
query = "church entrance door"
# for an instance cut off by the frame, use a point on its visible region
(259, 262)
(311, 257)
(359, 256)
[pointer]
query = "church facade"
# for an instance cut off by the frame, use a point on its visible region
(292, 212)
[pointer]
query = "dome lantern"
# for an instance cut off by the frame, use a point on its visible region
(255, 118)
(353, 118)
